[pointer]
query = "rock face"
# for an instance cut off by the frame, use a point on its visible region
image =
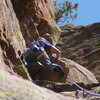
(21, 22)
(36, 16)
(14, 88)
(31, 17)
(11, 40)
(82, 44)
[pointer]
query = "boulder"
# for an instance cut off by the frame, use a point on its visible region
(73, 73)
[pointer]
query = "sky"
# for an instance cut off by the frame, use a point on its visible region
(88, 12)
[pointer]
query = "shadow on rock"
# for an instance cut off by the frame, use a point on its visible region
(39, 72)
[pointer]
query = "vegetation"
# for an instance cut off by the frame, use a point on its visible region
(65, 11)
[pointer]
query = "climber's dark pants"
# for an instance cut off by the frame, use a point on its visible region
(38, 57)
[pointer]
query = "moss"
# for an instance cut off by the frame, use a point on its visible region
(2, 94)
(51, 8)
(15, 30)
(2, 76)
(51, 28)
(33, 92)
(7, 94)
(22, 71)
(54, 31)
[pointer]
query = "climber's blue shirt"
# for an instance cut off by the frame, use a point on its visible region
(34, 49)
(40, 43)
(45, 44)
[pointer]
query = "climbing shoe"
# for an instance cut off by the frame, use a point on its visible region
(59, 71)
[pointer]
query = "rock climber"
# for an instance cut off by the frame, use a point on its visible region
(38, 51)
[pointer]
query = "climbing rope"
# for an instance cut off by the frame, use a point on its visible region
(94, 94)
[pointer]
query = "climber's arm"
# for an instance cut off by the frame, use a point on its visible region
(56, 51)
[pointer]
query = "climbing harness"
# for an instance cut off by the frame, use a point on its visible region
(86, 91)
(39, 56)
